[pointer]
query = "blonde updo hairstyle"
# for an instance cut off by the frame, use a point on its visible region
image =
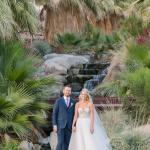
(87, 96)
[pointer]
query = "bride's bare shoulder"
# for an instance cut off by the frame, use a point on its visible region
(90, 104)
(77, 104)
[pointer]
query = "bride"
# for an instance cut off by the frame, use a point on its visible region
(87, 130)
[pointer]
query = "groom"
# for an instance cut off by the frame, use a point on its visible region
(63, 113)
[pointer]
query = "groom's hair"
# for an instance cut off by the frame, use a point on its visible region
(66, 86)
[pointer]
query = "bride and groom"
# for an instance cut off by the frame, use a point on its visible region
(78, 125)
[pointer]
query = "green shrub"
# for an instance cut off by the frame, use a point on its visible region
(19, 107)
(90, 40)
(68, 39)
(133, 25)
(42, 47)
(138, 56)
(9, 145)
(122, 131)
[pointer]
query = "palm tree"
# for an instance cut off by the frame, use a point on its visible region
(7, 22)
(18, 110)
(139, 8)
(71, 15)
(19, 106)
(19, 65)
(16, 15)
(137, 20)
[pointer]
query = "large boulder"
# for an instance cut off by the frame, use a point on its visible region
(60, 63)
(25, 145)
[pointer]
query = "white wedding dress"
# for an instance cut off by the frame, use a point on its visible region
(82, 139)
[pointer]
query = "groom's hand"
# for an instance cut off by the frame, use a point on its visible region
(55, 129)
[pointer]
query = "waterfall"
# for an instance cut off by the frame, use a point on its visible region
(86, 76)
(97, 79)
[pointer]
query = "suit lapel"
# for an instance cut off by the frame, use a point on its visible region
(70, 104)
(64, 102)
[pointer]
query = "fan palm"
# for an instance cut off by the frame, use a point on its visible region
(18, 110)
(19, 107)
(18, 65)
(7, 22)
(16, 15)
(140, 8)
(71, 15)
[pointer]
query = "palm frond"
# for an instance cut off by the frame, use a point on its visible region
(16, 16)
(24, 14)
(7, 22)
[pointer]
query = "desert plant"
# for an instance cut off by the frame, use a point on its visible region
(122, 131)
(89, 40)
(19, 107)
(19, 65)
(132, 25)
(14, 64)
(41, 47)
(137, 86)
(19, 110)
(9, 145)
(79, 12)
(68, 39)
(137, 56)
(16, 15)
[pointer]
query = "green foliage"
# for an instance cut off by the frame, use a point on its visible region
(19, 107)
(123, 131)
(130, 142)
(138, 56)
(41, 2)
(95, 38)
(14, 63)
(9, 145)
(107, 89)
(42, 47)
(18, 110)
(132, 82)
(7, 22)
(132, 25)
(90, 40)
(137, 78)
(136, 19)
(68, 39)
(18, 65)
(16, 15)
(137, 85)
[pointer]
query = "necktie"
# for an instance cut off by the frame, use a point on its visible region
(67, 102)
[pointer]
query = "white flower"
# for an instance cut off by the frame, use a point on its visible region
(71, 104)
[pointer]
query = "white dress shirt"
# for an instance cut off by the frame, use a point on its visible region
(67, 100)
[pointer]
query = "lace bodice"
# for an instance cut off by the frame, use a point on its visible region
(84, 112)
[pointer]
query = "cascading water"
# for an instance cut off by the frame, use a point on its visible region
(97, 79)
(87, 76)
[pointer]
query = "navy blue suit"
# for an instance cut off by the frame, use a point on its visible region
(63, 118)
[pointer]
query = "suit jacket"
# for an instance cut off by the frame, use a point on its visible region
(63, 115)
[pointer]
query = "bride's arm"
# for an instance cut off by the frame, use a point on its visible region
(75, 116)
(91, 118)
